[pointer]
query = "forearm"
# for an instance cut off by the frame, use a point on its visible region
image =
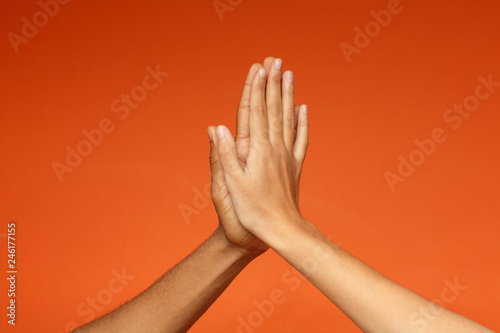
(372, 301)
(183, 294)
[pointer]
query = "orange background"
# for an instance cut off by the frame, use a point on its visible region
(120, 207)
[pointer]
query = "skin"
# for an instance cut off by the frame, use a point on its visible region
(255, 190)
(264, 194)
(176, 300)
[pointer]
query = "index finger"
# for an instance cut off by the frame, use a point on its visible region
(243, 114)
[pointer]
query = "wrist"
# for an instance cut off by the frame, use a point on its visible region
(228, 248)
(274, 230)
(294, 232)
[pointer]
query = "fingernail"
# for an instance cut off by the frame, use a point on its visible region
(262, 72)
(221, 132)
(290, 76)
(209, 135)
(278, 63)
(304, 109)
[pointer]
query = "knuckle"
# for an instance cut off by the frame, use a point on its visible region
(289, 88)
(224, 153)
(303, 122)
(259, 109)
(241, 136)
(289, 121)
(276, 77)
(213, 154)
(275, 107)
(263, 136)
(212, 160)
(214, 165)
(277, 125)
(247, 85)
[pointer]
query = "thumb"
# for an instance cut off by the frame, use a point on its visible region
(226, 151)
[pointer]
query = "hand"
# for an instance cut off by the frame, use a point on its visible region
(264, 187)
(235, 233)
(228, 220)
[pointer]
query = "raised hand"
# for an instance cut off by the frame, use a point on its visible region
(264, 187)
(264, 192)
(228, 220)
(176, 300)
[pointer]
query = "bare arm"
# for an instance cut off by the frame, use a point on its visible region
(181, 296)
(264, 192)
(372, 301)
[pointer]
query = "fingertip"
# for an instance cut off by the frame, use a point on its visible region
(209, 132)
(253, 69)
(255, 66)
(278, 63)
(303, 109)
(262, 73)
(267, 61)
(221, 132)
(303, 118)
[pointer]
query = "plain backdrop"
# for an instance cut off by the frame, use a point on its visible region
(135, 204)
